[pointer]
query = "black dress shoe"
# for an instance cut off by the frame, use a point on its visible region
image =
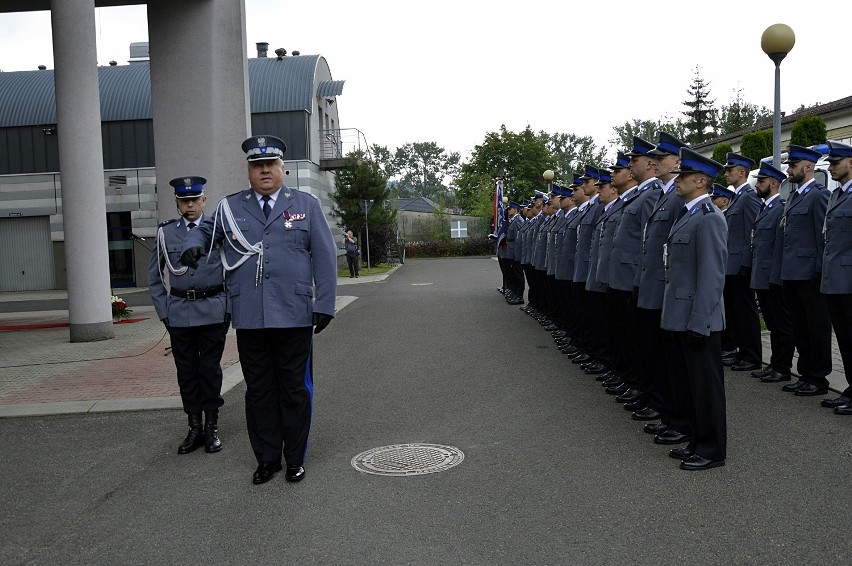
(581, 359)
(294, 473)
(671, 436)
(628, 396)
(597, 369)
(763, 372)
(612, 381)
(617, 389)
(730, 361)
(729, 353)
(775, 377)
(696, 462)
(681, 453)
(656, 428)
(603, 376)
(793, 386)
(265, 471)
(646, 414)
(551, 327)
(570, 350)
(743, 365)
(843, 409)
(810, 390)
(836, 402)
(636, 405)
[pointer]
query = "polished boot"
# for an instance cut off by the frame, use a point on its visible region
(836, 402)
(211, 432)
(195, 437)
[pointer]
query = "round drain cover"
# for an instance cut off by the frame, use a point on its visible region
(407, 459)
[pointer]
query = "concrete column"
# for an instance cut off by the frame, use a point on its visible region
(199, 90)
(78, 118)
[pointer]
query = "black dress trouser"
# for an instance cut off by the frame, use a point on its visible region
(197, 351)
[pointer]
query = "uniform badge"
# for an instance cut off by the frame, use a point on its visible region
(187, 182)
(287, 223)
(261, 141)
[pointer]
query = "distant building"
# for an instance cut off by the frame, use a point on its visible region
(420, 219)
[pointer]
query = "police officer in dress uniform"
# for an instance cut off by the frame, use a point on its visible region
(742, 316)
(766, 242)
(801, 273)
(569, 343)
(192, 304)
(837, 265)
(515, 276)
(281, 265)
(695, 256)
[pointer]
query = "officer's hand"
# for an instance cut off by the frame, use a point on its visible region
(227, 318)
(191, 256)
(321, 320)
(695, 341)
(165, 322)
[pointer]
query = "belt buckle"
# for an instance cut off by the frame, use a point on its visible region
(190, 294)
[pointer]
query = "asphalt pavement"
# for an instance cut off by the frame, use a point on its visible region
(554, 471)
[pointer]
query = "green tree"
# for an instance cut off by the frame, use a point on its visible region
(519, 158)
(362, 179)
(700, 123)
(420, 169)
(757, 145)
(645, 129)
(741, 115)
(720, 154)
(808, 130)
(572, 152)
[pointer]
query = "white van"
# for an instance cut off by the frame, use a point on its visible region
(821, 173)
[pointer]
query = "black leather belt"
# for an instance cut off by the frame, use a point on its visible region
(195, 294)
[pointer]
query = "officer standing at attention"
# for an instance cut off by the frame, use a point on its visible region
(281, 265)
(721, 196)
(766, 243)
(693, 308)
(801, 273)
(837, 265)
(515, 276)
(192, 304)
(743, 318)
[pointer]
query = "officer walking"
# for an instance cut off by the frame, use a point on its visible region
(281, 265)
(695, 257)
(191, 303)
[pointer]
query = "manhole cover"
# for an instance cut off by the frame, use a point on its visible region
(407, 459)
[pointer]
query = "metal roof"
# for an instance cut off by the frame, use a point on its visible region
(275, 85)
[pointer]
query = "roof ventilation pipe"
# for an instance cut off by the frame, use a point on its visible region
(262, 48)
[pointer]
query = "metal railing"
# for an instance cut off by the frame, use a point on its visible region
(340, 143)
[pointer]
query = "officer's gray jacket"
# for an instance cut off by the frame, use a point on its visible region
(540, 250)
(585, 229)
(512, 237)
(182, 312)
(627, 242)
(740, 217)
(837, 262)
(567, 247)
(804, 243)
(652, 272)
(596, 251)
(606, 226)
(765, 242)
(530, 235)
(695, 271)
(553, 239)
(299, 274)
(521, 242)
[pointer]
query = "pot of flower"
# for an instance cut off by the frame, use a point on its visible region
(120, 311)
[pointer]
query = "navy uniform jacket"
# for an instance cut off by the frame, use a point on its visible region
(540, 244)
(553, 240)
(179, 311)
(530, 235)
(765, 242)
(585, 228)
(740, 218)
(804, 243)
(652, 272)
(696, 252)
(299, 274)
(521, 240)
(596, 251)
(837, 262)
(567, 247)
(606, 225)
(512, 237)
(627, 242)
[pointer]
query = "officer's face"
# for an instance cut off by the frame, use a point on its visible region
(796, 170)
(620, 178)
(690, 185)
(607, 193)
(641, 167)
(733, 175)
(589, 188)
(841, 171)
(721, 203)
(191, 208)
(266, 176)
(665, 164)
(763, 187)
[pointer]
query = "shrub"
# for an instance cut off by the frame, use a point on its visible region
(453, 248)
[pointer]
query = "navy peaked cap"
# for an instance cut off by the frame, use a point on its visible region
(767, 170)
(667, 145)
(734, 159)
(718, 190)
(621, 161)
(838, 150)
(258, 148)
(188, 187)
(693, 162)
(640, 147)
(798, 153)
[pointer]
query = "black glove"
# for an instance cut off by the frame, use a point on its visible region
(227, 318)
(165, 322)
(191, 256)
(321, 320)
(695, 341)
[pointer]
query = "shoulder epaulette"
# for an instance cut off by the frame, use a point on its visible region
(233, 194)
(707, 208)
(167, 222)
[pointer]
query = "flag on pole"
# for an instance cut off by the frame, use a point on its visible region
(499, 213)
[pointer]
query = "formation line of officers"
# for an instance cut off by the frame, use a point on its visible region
(652, 278)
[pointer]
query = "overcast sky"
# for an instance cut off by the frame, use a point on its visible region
(451, 71)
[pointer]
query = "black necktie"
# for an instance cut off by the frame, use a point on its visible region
(191, 225)
(681, 213)
(266, 208)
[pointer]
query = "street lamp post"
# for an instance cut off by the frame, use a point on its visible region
(548, 176)
(366, 204)
(777, 41)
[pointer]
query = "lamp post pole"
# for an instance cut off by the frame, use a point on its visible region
(548, 176)
(366, 204)
(777, 41)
